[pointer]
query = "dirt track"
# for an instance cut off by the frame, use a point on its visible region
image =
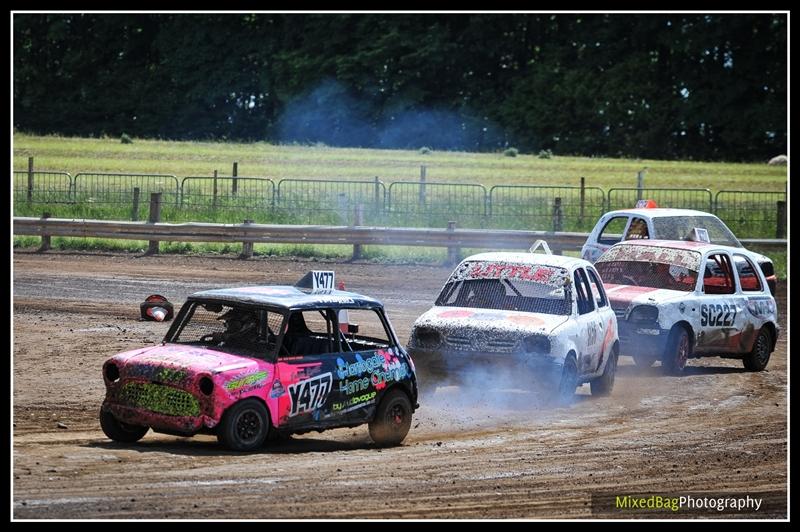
(717, 430)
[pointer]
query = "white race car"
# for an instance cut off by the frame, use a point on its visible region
(536, 317)
(677, 300)
(650, 222)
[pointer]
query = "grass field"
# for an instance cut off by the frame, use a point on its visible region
(260, 159)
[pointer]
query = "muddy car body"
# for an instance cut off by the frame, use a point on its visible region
(667, 311)
(664, 224)
(251, 362)
(542, 319)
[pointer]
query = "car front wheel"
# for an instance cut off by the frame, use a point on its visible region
(119, 431)
(565, 393)
(677, 352)
(244, 426)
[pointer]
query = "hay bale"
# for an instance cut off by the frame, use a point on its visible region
(779, 160)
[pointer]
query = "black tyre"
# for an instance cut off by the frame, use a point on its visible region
(756, 360)
(565, 393)
(604, 384)
(392, 419)
(244, 426)
(677, 352)
(119, 431)
(644, 361)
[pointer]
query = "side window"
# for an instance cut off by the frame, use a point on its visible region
(310, 332)
(363, 331)
(583, 292)
(612, 231)
(748, 275)
(718, 275)
(637, 230)
(598, 291)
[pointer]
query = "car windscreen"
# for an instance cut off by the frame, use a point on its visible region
(649, 266)
(505, 294)
(229, 327)
(681, 228)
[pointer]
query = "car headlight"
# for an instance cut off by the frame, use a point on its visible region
(427, 337)
(206, 385)
(537, 344)
(111, 372)
(644, 313)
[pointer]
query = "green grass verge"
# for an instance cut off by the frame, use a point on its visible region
(260, 159)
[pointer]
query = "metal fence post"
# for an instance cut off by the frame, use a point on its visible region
(155, 217)
(358, 221)
(780, 229)
(30, 179)
(247, 247)
(377, 196)
(45, 237)
(214, 197)
(453, 253)
(135, 209)
(234, 181)
(640, 183)
(558, 215)
(422, 176)
(583, 199)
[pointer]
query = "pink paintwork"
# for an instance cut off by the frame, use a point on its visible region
(183, 368)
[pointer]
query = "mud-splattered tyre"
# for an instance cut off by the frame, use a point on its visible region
(245, 426)
(565, 392)
(119, 431)
(604, 384)
(644, 361)
(392, 419)
(677, 352)
(757, 359)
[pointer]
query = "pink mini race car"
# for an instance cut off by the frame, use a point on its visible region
(248, 363)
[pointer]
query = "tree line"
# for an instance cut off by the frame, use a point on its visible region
(667, 86)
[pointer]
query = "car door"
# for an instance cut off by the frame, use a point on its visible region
(589, 325)
(722, 308)
(306, 369)
(367, 365)
(610, 230)
(607, 320)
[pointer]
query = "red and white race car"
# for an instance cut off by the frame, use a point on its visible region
(648, 221)
(677, 300)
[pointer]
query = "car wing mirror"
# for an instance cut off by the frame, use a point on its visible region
(352, 328)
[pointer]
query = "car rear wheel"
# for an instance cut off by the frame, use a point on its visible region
(677, 352)
(392, 419)
(756, 360)
(244, 426)
(119, 431)
(604, 384)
